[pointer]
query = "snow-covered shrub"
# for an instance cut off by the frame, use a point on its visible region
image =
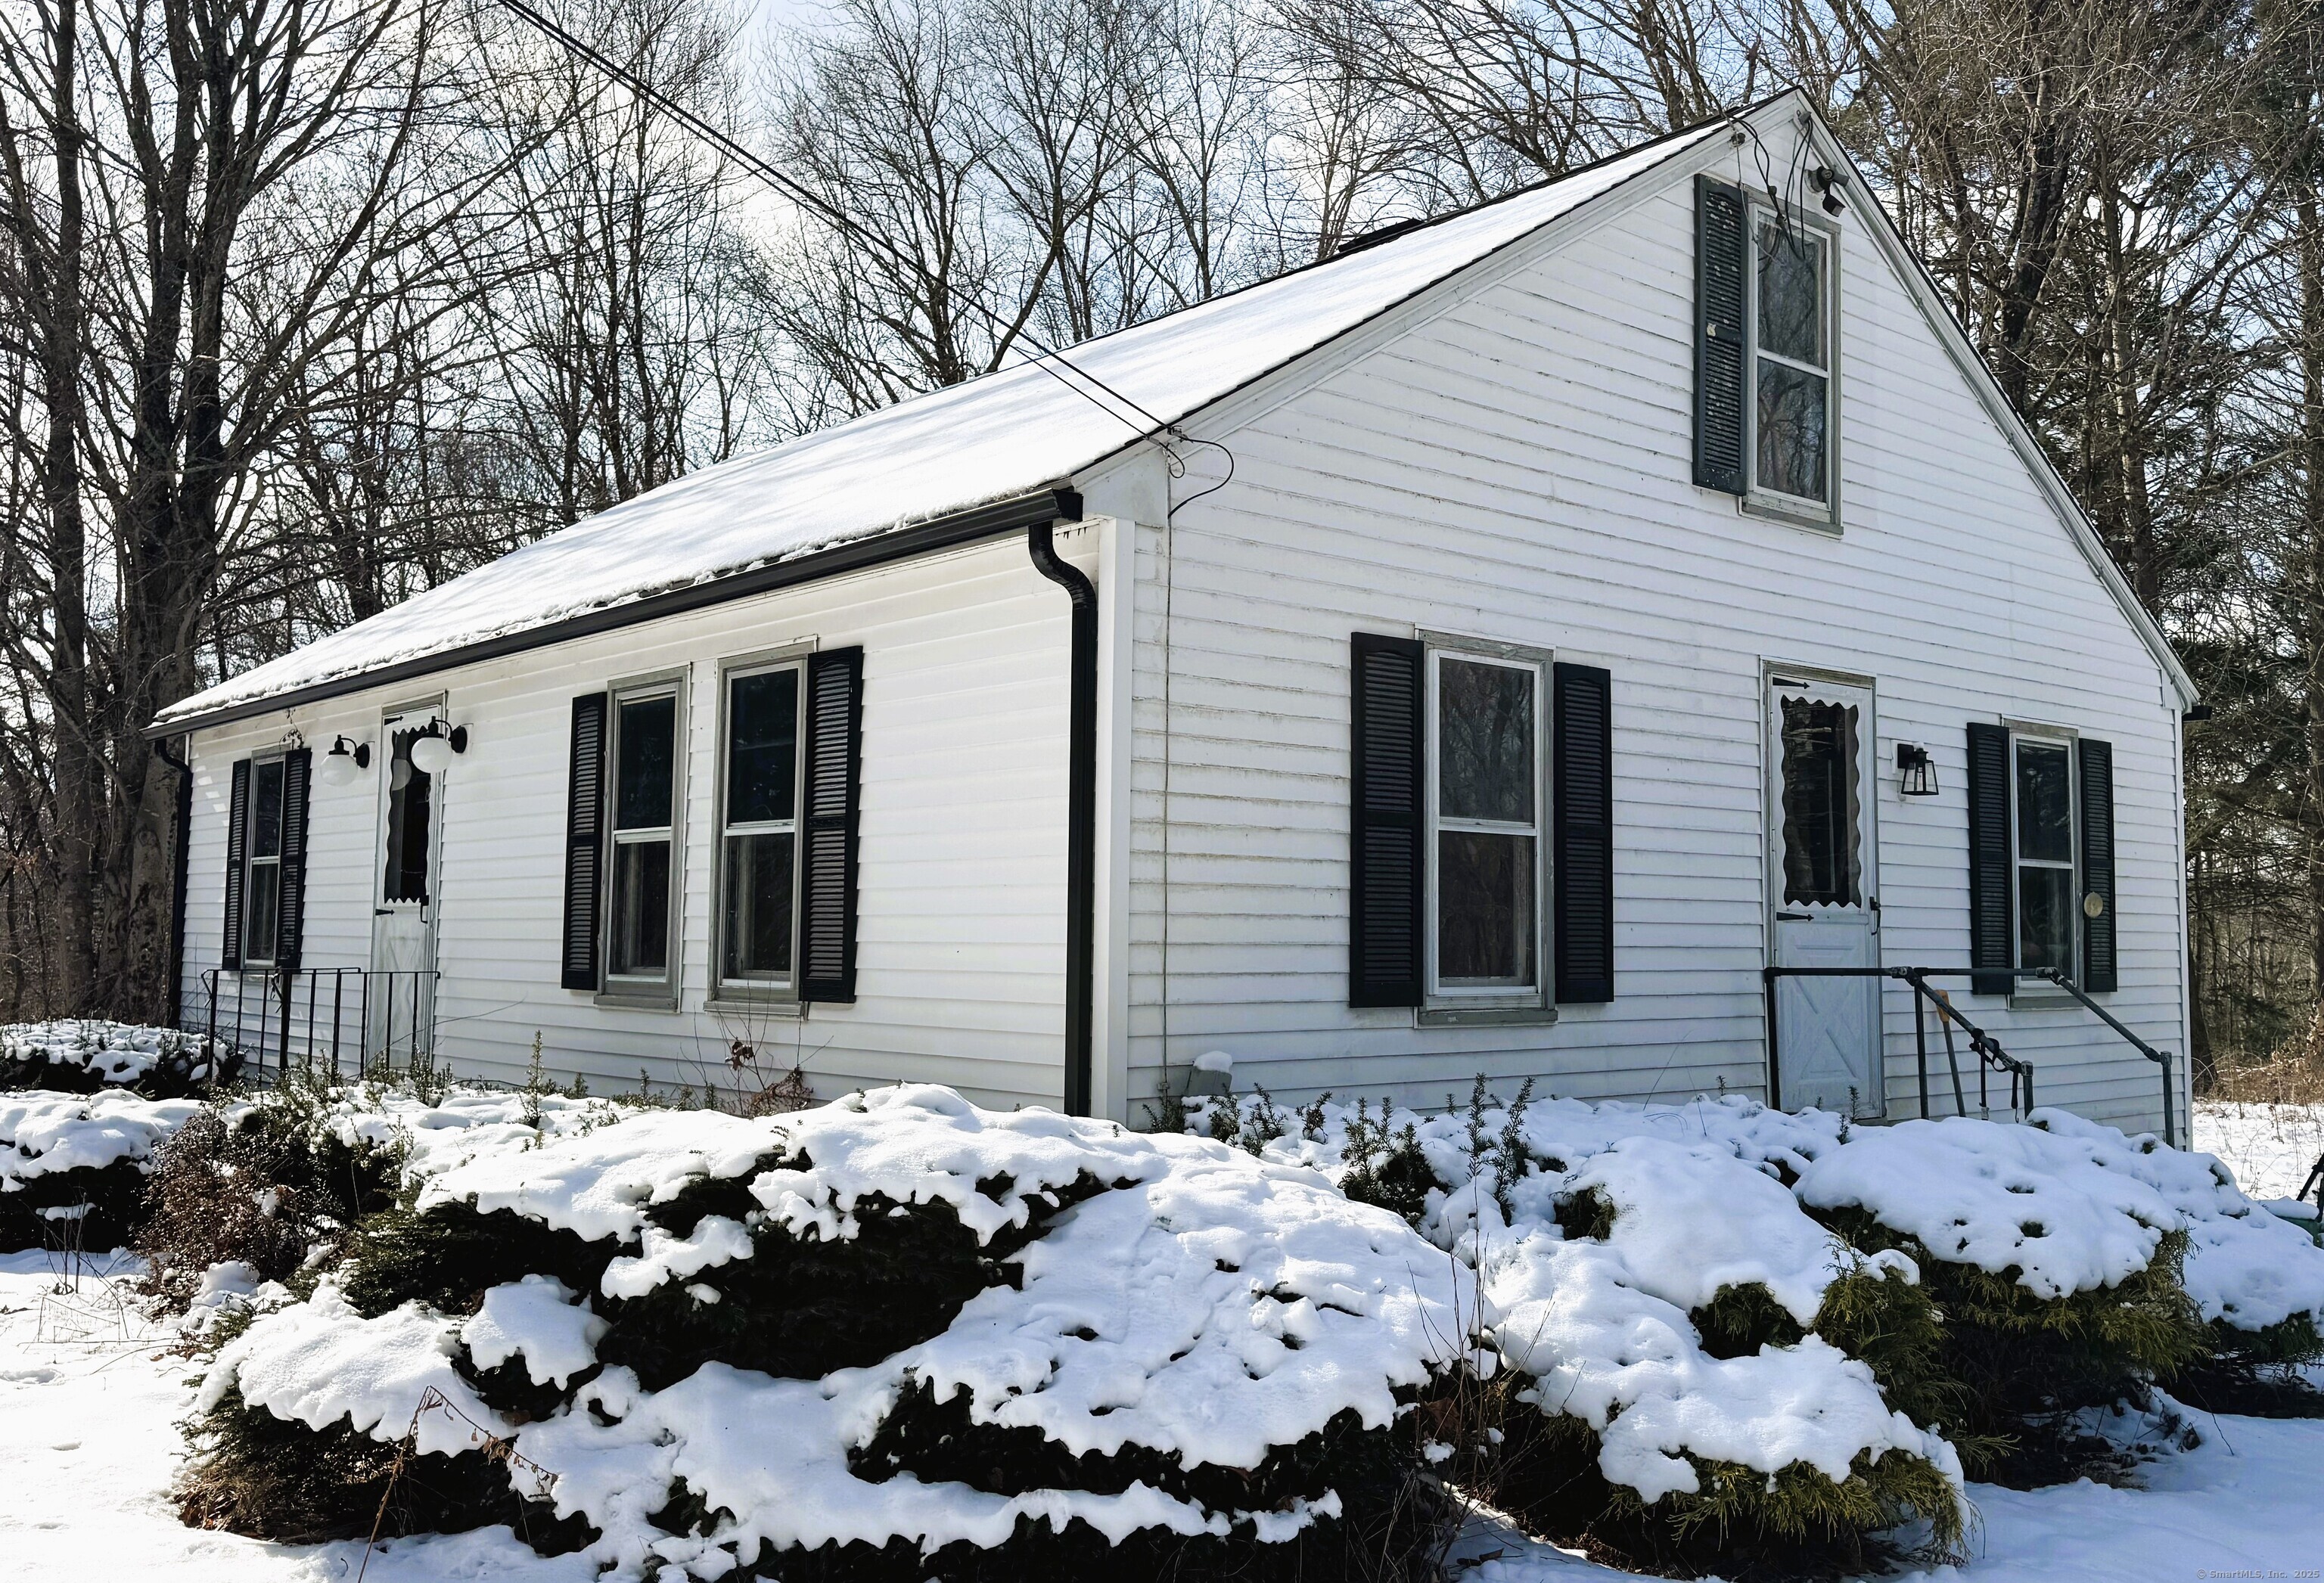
(1993, 1277)
(278, 1180)
(2073, 1266)
(1662, 1299)
(79, 1158)
(893, 1336)
(84, 1055)
(2256, 1279)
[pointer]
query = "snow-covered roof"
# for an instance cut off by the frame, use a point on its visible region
(1005, 434)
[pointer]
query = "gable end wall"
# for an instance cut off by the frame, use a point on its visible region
(1518, 468)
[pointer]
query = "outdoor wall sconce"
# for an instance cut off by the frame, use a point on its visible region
(345, 757)
(1917, 774)
(433, 749)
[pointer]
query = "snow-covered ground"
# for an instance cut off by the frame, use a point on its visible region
(2270, 1148)
(91, 1397)
(91, 1392)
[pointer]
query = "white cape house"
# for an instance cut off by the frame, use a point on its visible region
(1513, 645)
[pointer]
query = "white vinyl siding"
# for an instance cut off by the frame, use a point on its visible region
(1516, 466)
(961, 932)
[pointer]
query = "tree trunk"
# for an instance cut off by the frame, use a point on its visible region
(2310, 255)
(79, 769)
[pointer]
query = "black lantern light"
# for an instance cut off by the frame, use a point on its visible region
(1916, 773)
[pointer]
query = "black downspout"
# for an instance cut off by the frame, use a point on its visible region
(1080, 816)
(179, 842)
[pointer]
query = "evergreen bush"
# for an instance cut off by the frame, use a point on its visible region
(90, 1055)
(799, 1307)
(2010, 1366)
(114, 1195)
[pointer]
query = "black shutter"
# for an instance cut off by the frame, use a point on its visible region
(237, 850)
(584, 841)
(1384, 842)
(1720, 232)
(834, 779)
(291, 912)
(1991, 861)
(2094, 761)
(1581, 874)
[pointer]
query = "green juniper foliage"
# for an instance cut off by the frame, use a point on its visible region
(253, 1473)
(2015, 1363)
(1386, 1167)
(799, 1307)
(1738, 1522)
(115, 1194)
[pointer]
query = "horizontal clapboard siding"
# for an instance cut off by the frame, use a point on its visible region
(1517, 467)
(961, 931)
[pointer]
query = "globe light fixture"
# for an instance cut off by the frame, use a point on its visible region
(434, 751)
(345, 761)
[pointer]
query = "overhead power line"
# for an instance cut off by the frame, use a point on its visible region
(1048, 358)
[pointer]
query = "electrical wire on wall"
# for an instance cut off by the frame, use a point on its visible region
(1177, 470)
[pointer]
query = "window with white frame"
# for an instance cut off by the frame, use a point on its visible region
(1792, 396)
(1485, 809)
(2044, 838)
(759, 804)
(262, 912)
(642, 911)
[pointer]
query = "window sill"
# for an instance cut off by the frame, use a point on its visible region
(1775, 510)
(625, 1001)
(2043, 1001)
(1467, 1016)
(744, 1004)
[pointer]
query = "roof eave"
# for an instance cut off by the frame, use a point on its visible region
(1057, 502)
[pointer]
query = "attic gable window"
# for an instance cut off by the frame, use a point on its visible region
(1766, 398)
(1791, 359)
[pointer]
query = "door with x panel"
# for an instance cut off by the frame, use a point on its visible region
(1822, 872)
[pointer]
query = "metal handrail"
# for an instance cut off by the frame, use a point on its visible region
(2160, 1057)
(261, 1011)
(1983, 1044)
(1990, 1055)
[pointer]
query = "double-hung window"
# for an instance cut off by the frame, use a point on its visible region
(2044, 833)
(641, 944)
(1790, 382)
(759, 829)
(262, 912)
(1485, 848)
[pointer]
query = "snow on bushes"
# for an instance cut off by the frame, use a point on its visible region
(896, 1336)
(60, 1152)
(274, 1181)
(2073, 1265)
(85, 1055)
(1655, 1287)
(1777, 1322)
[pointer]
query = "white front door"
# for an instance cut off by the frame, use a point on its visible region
(1822, 874)
(401, 997)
